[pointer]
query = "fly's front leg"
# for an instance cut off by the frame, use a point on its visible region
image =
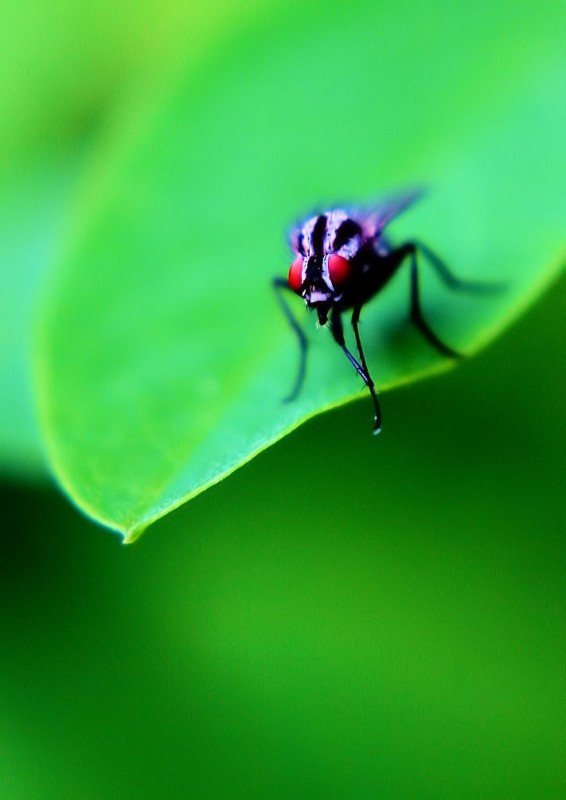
(279, 284)
(362, 370)
(355, 322)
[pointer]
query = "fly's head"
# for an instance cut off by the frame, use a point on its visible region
(324, 246)
(319, 281)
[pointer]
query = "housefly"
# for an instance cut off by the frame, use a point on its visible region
(342, 260)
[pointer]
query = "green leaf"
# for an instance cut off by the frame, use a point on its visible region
(163, 357)
(34, 202)
(56, 79)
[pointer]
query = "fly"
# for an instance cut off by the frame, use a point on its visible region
(341, 261)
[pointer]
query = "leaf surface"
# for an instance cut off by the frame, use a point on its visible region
(35, 195)
(163, 357)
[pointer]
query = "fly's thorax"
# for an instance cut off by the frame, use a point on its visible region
(335, 232)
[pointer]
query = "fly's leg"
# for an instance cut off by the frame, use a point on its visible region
(450, 280)
(410, 249)
(362, 370)
(279, 284)
(355, 322)
(417, 314)
(446, 275)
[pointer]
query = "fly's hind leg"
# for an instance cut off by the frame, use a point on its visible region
(417, 318)
(451, 280)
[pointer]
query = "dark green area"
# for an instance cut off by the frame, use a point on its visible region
(344, 617)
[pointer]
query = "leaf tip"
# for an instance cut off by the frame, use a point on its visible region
(133, 534)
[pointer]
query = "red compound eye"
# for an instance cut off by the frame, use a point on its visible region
(339, 271)
(296, 274)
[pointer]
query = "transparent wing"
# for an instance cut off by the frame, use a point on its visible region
(374, 220)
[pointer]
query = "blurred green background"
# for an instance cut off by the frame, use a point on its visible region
(383, 620)
(342, 617)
